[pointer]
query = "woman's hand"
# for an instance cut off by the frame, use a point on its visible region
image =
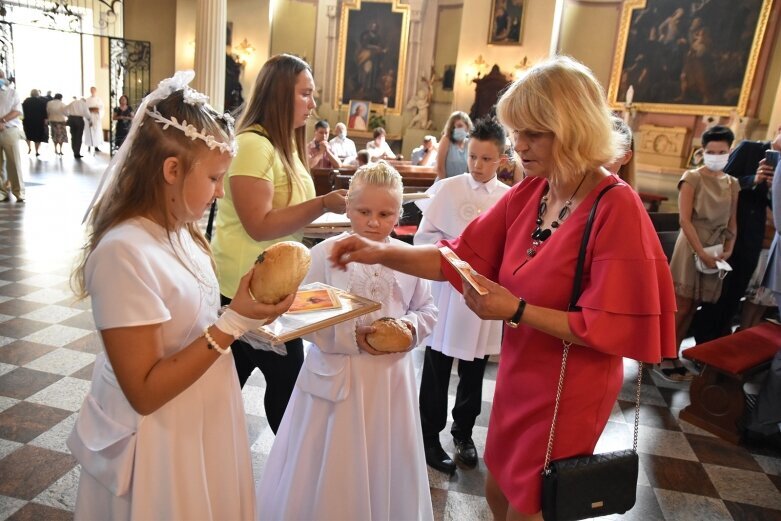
(709, 260)
(764, 173)
(247, 307)
(498, 304)
(335, 201)
(726, 255)
(355, 249)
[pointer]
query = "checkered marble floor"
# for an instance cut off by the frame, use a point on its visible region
(48, 345)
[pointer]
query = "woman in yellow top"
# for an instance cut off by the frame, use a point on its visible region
(269, 197)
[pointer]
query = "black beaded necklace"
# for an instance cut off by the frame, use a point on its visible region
(539, 235)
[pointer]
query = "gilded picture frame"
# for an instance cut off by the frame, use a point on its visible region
(372, 53)
(506, 22)
(688, 56)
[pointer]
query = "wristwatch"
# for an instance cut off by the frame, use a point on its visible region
(516, 318)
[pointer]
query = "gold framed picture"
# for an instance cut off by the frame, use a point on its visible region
(372, 53)
(688, 56)
(506, 25)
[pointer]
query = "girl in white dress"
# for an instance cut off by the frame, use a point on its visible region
(162, 432)
(349, 446)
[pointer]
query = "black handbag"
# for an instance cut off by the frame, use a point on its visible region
(588, 486)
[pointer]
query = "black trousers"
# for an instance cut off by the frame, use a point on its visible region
(279, 371)
(76, 125)
(433, 395)
(715, 320)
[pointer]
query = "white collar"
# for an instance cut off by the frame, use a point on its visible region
(488, 186)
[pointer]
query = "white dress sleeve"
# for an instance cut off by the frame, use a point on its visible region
(125, 286)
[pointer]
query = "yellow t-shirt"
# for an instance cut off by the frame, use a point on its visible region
(234, 250)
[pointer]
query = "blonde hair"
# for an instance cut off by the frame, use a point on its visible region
(451, 124)
(562, 97)
(271, 106)
(379, 174)
(138, 189)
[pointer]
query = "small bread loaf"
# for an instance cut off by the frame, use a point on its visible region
(279, 271)
(390, 335)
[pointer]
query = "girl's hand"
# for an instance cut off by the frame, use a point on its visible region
(726, 255)
(246, 306)
(498, 304)
(363, 344)
(335, 201)
(355, 249)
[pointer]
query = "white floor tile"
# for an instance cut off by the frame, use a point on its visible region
(57, 335)
(67, 393)
(52, 314)
(62, 361)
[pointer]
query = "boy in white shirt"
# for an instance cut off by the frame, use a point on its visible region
(454, 202)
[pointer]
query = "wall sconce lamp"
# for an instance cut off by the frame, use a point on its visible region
(520, 67)
(243, 52)
(475, 71)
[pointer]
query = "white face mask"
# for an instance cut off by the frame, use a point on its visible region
(459, 134)
(715, 162)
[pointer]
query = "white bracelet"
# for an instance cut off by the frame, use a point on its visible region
(213, 343)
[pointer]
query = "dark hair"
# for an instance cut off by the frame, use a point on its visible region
(322, 124)
(379, 131)
(718, 133)
(488, 129)
(58, 96)
(363, 157)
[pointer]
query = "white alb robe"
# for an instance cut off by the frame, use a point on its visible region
(452, 204)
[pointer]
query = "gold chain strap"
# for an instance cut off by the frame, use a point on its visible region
(549, 451)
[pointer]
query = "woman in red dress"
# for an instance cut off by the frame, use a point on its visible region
(524, 250)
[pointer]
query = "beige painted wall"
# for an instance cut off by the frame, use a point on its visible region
(588, 33)
(445, 53)
(293, 29)
(154, 21)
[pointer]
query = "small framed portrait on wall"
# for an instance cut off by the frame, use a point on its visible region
(506, 22)
(358, 118)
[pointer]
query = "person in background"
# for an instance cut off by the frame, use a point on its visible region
(342, 146)
(269, 198)
(10, 135)
(34, 123)
(451, 152)
(123, 115)
(363, 157)
(57, 114)
(352, 424)
(319, 152)
(707, 205)
(93, 129)
(624, 165)
(78, 114)
(426, 153)
(772, 278)
(162, 433)
(747, 164)
(378, 148)
(458, 333)
(525, 261)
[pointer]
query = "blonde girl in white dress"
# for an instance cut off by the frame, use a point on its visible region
(349, 446)
(162, 432)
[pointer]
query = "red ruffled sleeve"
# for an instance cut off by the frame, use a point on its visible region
(628, 302)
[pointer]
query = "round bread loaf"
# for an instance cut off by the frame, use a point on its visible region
(390, 335)
(279, 271)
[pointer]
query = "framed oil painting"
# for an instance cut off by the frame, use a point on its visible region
(506, 22)
(372, 52)
(688, 56)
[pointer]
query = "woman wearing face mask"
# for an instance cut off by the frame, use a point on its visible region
(451, 153)
(706, 203)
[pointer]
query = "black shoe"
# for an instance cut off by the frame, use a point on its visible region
(466, 453)
(78, 157)
(438, 459)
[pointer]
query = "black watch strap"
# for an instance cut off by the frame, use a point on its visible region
(516, 318)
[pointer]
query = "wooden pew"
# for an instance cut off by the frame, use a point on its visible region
(323, 179)
(718, 403)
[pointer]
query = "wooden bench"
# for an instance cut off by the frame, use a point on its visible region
(718, 403)
(652, 201)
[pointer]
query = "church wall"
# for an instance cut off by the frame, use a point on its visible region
(154, 21)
